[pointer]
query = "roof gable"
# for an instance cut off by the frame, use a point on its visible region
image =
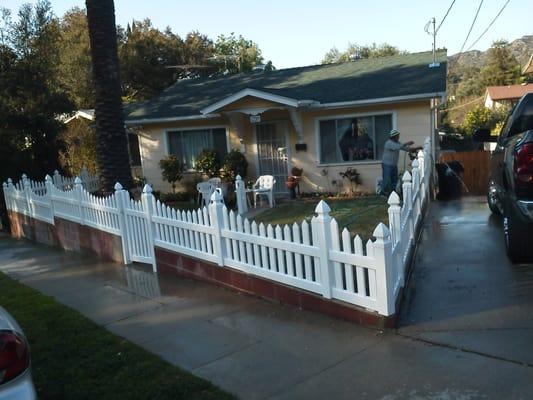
(508, 92)
(246, 94)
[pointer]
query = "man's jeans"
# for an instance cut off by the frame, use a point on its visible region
(390, 178)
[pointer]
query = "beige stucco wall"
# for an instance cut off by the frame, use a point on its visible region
(411, 119)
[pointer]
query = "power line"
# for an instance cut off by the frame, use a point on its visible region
(445, 15)
(488, 27)
(464, 104)
(471, 26)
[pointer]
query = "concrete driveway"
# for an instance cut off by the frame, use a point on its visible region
(466, 332)
(464, 292)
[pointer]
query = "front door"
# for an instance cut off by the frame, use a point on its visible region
(272, 152)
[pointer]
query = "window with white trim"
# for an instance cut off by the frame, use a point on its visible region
(188, 144)
(348, 140)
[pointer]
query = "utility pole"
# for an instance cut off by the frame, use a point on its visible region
(434, 34)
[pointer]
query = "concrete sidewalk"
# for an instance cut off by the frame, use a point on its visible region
(261, 350)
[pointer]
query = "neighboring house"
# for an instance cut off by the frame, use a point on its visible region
(296, 117)
(88, 115)
(498, 96)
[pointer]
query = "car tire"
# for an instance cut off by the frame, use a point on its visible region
(517, 241)
(491, 201)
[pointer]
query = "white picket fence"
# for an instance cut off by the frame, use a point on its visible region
(316, 257)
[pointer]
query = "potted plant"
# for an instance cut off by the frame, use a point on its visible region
(291, 184)
(208, 163)
(353, 177)
(172, 170)
(234, 164)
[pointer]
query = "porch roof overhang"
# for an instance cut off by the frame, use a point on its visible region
(259, 94)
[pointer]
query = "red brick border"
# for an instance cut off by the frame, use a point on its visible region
(169, 262)
(68, 235)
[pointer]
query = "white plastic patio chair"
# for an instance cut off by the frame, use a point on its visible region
(205, 190)
(264, 186)
(217, 183)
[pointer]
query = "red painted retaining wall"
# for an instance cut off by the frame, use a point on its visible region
(67, 235)
(169, 262)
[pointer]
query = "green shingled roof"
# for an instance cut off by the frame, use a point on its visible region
(401, 75)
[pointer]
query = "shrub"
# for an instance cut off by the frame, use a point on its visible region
(352, 176)
(172, 170)
(208, 163)
(235, 163)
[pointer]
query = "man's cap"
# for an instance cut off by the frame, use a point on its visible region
(393, 133)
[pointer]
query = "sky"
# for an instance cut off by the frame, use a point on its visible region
(298, 33)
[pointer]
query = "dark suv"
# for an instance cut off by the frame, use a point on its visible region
(510, 190)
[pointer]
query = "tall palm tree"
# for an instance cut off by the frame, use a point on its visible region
(112, 146)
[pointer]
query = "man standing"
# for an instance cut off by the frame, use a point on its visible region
(389, 162)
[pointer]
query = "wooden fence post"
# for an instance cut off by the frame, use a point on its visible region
(321, 231)
(385, 276)
(240, 192)
(216, 216)
(148, 201)
(121, 197)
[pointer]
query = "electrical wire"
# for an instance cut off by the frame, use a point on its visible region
(445, 15)
(471, 26)
(488, 27)
(463, 105)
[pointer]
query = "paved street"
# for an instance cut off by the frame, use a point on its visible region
(466, 330)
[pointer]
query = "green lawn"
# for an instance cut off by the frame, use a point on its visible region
(73, 358)
(360, 215)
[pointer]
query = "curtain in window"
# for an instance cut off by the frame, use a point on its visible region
(187, 145)
(192, 144)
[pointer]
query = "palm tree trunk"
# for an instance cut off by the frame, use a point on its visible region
(112, 145)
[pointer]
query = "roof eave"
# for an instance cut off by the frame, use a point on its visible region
(382, 100)
(147, 121)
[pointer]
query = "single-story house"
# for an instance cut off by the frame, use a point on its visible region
(322, 118)
(498, 96)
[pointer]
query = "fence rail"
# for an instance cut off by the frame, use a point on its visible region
(317, 257)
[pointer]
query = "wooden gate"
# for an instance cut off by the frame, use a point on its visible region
(477, 168)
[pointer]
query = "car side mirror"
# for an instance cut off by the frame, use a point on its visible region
(483, 135)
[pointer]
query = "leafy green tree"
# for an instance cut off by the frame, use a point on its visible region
(172, 170)
(78, 147)
(482, 117)
(501, 67)
(75, 58)
(32, 96)
(355, 51)
(236, 54)
(145, 55)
